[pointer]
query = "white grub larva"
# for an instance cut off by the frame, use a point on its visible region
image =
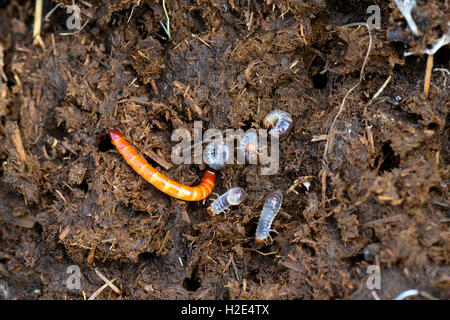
(217, 154)
(280, 122)
(232, 197)
(269, 212)
(249, 145)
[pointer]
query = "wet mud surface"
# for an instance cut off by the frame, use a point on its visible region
(366, 184)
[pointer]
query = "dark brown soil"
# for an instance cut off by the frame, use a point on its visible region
(379, 196)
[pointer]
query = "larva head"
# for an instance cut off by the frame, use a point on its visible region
(211, 211)
(260, 240)
(235, 196)
(271, 119)
(249, 145)
(114, 134)
(217, 154)
(266, 123)
(251, 148)
(251, 153)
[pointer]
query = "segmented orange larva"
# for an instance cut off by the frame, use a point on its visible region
(249, 144)
(269, 212)
(280, 122)
(232, 197)
(160, 181)
(217, 154)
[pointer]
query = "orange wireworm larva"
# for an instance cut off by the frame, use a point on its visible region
(269, 212)
(280, 122)
(232, 197)
(217, 154)
(157, 179)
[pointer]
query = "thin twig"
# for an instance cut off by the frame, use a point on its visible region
(61, 195)
(235, 269)
(329, 143)
(109, 283)
(87, 4)
(14, 132)
(443, 41)
(426, 85)
(99, 290)
(379, 91)
(206, 43)
(161, 248)
(47, 16)
(167, 28)
(132, 10)
(374, 295)
(383, 220)
(2, 64)
(445, 72)
(228, 264)
(75, 32)
(37, 19)
(162, 162)
(405, 7)
(291, 266)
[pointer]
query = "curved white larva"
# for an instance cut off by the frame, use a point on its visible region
(232, 197)
(249, 143)
(217, 154)
(279, 121)
(269, 212)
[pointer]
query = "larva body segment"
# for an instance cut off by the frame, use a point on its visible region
(217, 154)
(269, 212)
(157, 179)
(249, 144)
(232, 197)
(280, 122)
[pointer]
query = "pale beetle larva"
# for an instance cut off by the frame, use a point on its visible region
(268, 214)
(280, 122)
(232, 197)
(249, 145)
(217, 154)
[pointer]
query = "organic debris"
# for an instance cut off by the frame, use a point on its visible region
(150, 67)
